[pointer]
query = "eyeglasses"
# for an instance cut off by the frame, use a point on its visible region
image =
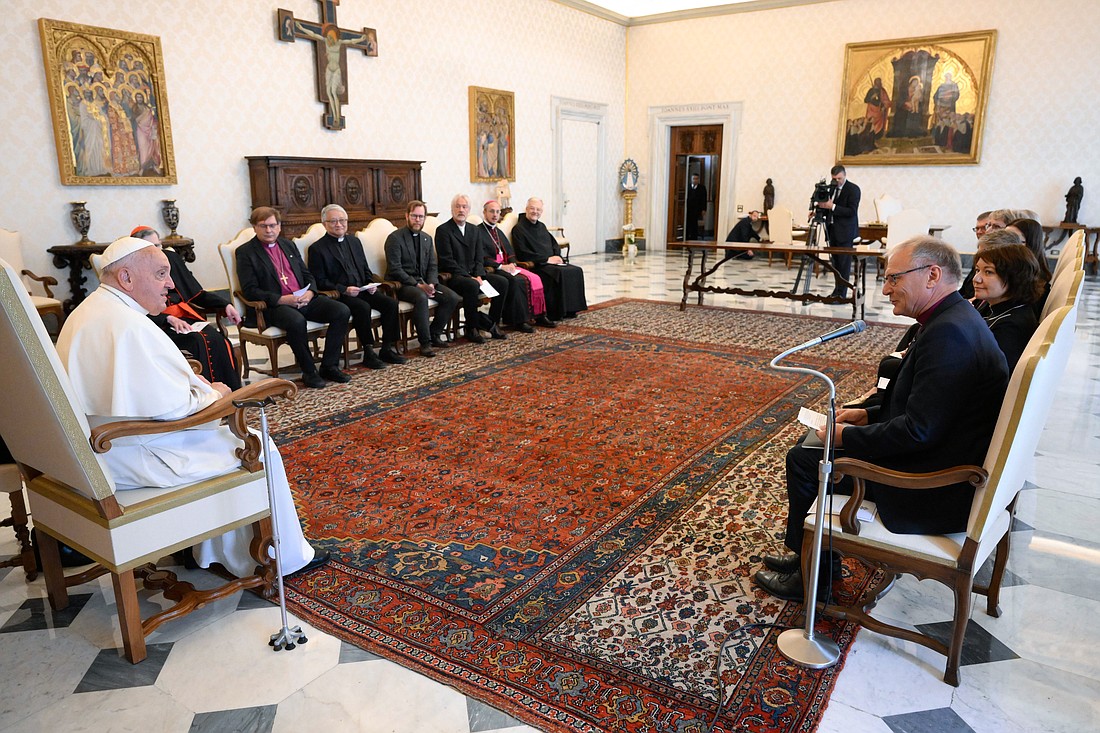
(336, 221)
(981, 229)
(269, 226)
(893, 278)
(416, 216)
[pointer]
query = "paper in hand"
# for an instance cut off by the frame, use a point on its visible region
(488, 290)
(811, 419)
(300, 293)
(370, 287)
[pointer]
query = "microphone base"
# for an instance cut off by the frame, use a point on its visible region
(816, 653)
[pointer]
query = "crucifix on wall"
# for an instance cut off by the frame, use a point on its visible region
(330, 50)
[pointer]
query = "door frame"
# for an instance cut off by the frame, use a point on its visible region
(661, 121)
(564, 108)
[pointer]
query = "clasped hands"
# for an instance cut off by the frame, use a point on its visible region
(844, 418)
(297, 301)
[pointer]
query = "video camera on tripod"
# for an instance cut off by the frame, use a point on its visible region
(823, 191)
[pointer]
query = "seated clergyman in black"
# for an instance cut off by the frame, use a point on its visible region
(745, 230)
(564, 284)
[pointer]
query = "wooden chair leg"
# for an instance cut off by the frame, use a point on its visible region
(993, 591)
(19, 523)
(129, 616)
(958, 632)
(56, 589)
(273, 355)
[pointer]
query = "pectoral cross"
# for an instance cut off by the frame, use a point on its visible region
(284, 278)
(330, 53)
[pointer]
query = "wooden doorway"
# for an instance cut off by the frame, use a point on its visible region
(694, 182)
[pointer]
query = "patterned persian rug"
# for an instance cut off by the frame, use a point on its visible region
(565, 525)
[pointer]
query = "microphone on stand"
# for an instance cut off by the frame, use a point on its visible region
(853, 327)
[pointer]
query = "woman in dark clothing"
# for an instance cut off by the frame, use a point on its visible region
(1034, 236)
(1007, 284)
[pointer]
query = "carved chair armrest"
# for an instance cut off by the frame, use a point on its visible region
(444, 277)
(862, 471)
(334, 294)
(46, 280)
(249, 454)
(259, 306)
(525, 264)
(196, 367)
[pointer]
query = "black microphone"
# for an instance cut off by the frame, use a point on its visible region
(853, 327)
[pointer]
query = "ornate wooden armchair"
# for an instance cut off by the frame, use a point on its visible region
(269, 337)
(11, 483)
(955, 559)
(72, 493)
(11, 249)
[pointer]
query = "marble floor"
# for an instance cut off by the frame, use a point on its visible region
(1033, 669)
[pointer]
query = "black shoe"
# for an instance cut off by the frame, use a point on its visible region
(788, 586)
(474, 337)
(427, 350)
(320, 557)
(496, 333)
(314, 381)
(333, 374)
(524, 328)
(438, 342)
(786, 564)
(571, 315)
(371, 360)
(545, 322)
(389, 355)
(783, 564)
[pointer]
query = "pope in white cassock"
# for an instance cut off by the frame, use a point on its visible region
(123, 367)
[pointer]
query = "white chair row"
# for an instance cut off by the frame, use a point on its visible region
(11, 249)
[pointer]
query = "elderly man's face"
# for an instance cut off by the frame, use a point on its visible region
(336, 222)
(533, 210)
(267, 231)
(491, 213)
(906, 284)
(460, 209)
(147, 278)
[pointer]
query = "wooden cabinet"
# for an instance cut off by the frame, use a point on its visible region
(300, 187)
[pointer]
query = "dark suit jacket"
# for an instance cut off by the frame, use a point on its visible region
(327, 263)
(459, 254)
(534, 242)
(1012, 324)
(939, 411)
(696, 200)
(489, 249)
(401, 259)
(187, 290)
(845, 226)
(259, 280)
(743, 232)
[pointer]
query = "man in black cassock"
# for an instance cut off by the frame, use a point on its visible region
(564, 284)
(186, 301)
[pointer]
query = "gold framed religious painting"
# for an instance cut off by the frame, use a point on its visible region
(492, 135)
(108, 104)
(915, 101)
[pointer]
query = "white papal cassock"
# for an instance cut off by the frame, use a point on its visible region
(123, 367)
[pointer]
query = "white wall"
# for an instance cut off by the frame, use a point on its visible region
(234, 90)
(785, 66)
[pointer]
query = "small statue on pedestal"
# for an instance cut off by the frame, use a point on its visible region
(1073, 201)
(769, 196)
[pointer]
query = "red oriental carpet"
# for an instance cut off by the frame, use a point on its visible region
(565, 525)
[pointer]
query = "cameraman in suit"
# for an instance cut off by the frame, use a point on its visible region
(844, 228)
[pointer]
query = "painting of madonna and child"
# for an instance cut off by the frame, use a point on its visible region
(110, 110)
(915, 101)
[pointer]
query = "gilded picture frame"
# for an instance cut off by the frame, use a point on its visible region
(492, 135)
(108, 105)
(915, 101)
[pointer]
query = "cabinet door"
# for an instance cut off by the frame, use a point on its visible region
(353, 188)
(300, 190)
(398, 185)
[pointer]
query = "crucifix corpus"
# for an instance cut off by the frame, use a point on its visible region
(330, 51)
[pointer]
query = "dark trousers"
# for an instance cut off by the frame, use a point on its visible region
(563, 286)
(516, 307)
(446, 302)
(361, 306)
(802, 484)
(469, 290)
(320, 309)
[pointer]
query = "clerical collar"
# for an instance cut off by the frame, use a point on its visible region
(341, 239)
(124, 298)
(269, 246)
